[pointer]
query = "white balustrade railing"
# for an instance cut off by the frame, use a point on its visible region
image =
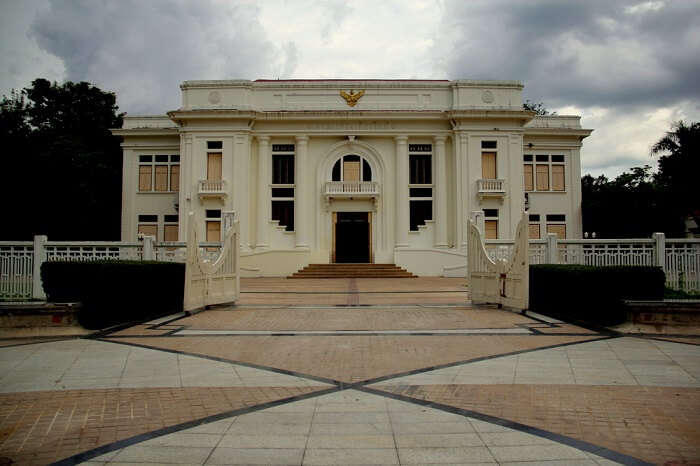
(16, 269)
(335, 188)
(491, 185)
(20, 261)
(212, 186)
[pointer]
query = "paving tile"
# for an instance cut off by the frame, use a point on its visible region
(537, 453)
(351, 441)
(263, 441)
(449, 455)
(163, 454)
(327, 456)
(271, 456)
(438, 440)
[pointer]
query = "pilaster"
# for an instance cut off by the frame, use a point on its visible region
(301, 200)
(441, 193)
(402, 207)
(263, 198)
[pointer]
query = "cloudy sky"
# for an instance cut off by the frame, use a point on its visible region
(630, 68)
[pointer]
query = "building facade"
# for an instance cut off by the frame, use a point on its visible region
(321, 171)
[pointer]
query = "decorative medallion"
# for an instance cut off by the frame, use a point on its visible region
(352, 98)
(487, 97)
(214, 97)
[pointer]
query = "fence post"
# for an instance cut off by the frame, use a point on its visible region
(552, 249)
(148, 248)
(39, 258)
(478, 219)
(660, 250)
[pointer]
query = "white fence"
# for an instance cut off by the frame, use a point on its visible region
(20, 261)
(679, 258)
(213, 281)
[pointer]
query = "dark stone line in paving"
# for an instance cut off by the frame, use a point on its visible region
(353, 359)
(43, 427)
(657, 424)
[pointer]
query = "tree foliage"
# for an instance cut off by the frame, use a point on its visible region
(538, 108)
(63, 166)
(638, 203)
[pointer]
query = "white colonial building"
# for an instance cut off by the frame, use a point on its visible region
(322, 171)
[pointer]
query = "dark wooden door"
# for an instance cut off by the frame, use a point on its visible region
(352, 237)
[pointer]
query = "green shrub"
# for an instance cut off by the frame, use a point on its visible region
(113, 292)
(592, 294)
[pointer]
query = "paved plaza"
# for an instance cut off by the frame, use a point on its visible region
(351, 371)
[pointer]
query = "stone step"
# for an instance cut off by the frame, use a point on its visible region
(352, 271)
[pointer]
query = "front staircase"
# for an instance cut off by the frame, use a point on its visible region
(352, 271)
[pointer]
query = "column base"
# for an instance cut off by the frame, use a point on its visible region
(442, 246)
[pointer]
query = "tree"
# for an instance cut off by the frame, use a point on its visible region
(639, 203)
(679, 168)
(63, 165)
(538, 108)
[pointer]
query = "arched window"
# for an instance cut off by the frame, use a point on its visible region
(351, 168)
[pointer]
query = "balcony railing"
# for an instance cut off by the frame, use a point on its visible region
(491, 188)
(212, 188)
(352, 188)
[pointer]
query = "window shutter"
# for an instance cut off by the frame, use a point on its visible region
(558, 177)
(351, 171)
(528, 178)
(534, 231)
(161, 177)
(149, 230)
(488, 165)
(491, 227)
(560, 230)
(542, 173)
(175, 178)
(145, 177)
(170, 233)
(213, 231)
(214, 167)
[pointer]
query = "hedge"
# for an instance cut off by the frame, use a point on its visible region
(590, 293)
(113, 292)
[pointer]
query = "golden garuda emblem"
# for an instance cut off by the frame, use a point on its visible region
(352, 97)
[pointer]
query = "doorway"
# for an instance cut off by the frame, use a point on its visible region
(352, 237)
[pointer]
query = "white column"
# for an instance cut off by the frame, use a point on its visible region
(241, 176)
(301, 203)
(187, 180)
(263, 201)
(401, 181)
(441, 193)
(38, 259)
(465, 208)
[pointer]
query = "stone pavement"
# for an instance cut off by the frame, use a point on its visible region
(361, 371)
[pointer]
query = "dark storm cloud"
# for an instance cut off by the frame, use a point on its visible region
(580, 53)
(144, 50)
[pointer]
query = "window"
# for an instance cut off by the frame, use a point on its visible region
(491, 223)
(170, 223)
(148, 225)
(351, 168)
(556, 223)
(213, 225)
(488, 144)
(488, 165)
(420, 184)
(282, 188)
(544, 172)
(160, 173)
(534, 227)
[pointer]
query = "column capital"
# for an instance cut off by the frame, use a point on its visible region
(303, 139)
(401, 139)
(262, 138)
(439, 139)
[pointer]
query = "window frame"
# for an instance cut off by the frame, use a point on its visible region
(534, 163)
(419, 149)
(283, 150)
(173, 160)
